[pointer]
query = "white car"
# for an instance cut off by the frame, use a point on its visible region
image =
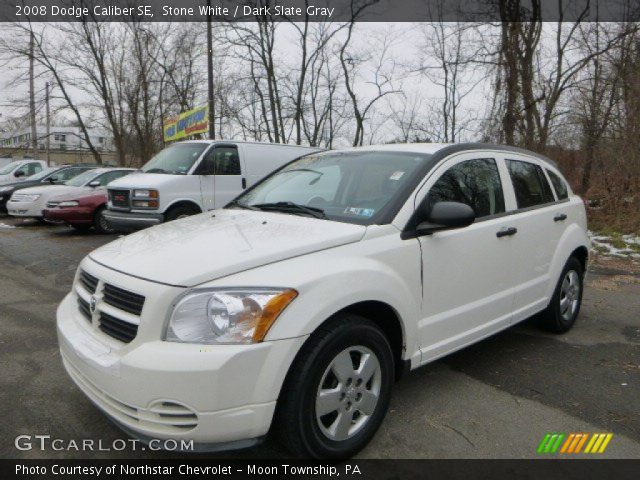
(191, 177)
(299, 304)
(30, 202)
(20, 169)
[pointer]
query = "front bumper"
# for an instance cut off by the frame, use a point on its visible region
(209, 394)
(70, 215)
(128, 221)
(24, 209)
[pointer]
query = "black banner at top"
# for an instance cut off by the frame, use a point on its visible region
(317, 10)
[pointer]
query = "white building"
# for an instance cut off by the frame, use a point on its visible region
(62, 138)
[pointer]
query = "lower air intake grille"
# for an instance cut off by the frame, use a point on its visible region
(116, 328)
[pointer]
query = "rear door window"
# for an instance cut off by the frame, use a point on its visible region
(529, 183)
(559, 186)
(472, 182)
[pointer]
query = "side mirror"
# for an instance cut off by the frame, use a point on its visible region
(53, 179)
(19, 173)
(95, 183)
(445, 216)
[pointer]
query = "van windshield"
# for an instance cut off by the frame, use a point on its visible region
(350, 186)
(176, 159)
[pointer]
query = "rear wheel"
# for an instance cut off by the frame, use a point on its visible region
(564, 307)
(101, 224)
(337, 391)
(180, 211)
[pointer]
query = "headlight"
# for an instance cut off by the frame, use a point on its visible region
(145, 203)
(217, 316)
(145, 193)
(70, 203)
(25, 197)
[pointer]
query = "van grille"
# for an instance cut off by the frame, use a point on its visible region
(119, 198)
(123, 299)
(89, 282)
(117, 328)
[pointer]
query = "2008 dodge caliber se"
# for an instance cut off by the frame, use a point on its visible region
(297, 306)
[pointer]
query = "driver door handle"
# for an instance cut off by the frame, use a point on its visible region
(560, 217)
(506, 232)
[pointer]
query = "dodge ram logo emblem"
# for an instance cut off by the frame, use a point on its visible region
(92, 303)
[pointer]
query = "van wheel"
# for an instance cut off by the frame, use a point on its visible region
(101, 224)
(564, 307)
(337, 391)
(180, 212)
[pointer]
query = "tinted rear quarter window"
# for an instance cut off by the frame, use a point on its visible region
(530, 185)
(558, 184)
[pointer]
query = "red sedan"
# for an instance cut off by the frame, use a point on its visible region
(81, 211)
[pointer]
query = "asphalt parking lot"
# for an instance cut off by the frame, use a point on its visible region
(496, 399)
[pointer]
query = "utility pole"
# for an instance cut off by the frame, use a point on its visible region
(212, 122)
(46, 90)
(32, 98)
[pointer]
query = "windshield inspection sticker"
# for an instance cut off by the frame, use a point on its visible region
(396, 175)
(361, 212)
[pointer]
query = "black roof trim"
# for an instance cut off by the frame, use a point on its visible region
(463, 147)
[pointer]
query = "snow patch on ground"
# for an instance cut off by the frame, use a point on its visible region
(4, 225)
(627, 245)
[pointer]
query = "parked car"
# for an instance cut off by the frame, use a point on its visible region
(48, 176)
(82, 211)
(192, 177)
(299, 304)
(20, 169)
(30, 202)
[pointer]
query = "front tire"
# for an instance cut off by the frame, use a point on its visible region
(563, 310)
(101, 224)
(337, 391)
(180, 211)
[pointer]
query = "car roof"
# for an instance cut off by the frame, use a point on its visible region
(445, 149)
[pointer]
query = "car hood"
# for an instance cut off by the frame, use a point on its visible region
(143, 180)
(215, 244)
(81, 195)
(51, 190)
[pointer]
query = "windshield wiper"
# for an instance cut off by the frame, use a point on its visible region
(237, 204)
(291, 207)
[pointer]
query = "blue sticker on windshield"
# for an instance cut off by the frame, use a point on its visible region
(361, 212)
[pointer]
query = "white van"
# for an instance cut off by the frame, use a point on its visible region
(193, 177)
(20, 169)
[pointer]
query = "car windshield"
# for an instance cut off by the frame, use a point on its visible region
(81, 179)
(353, 187)
(44, 173)
(9, 168)
(176, 159)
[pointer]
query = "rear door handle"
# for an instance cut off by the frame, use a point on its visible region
(244, 183)
(560, 217)
(506, 231)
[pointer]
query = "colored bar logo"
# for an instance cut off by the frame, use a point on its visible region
(574, 443)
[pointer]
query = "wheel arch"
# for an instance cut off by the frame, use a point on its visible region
(182, 203)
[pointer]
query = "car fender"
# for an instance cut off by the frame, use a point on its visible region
(573, 237)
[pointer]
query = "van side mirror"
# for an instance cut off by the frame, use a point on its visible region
(444, 216)
(19, 173)
(95, 183)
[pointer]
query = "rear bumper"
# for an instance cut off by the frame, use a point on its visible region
(128, 221)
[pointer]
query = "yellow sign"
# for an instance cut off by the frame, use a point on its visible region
(191, 122)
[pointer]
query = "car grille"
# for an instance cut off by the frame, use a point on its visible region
(117, 328)
(83, 306)
(123, 299)
(119, 198)
(89, 282)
